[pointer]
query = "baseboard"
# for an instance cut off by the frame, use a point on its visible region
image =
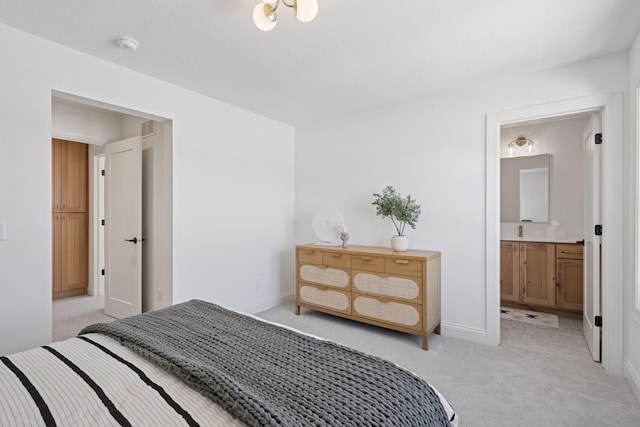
(632, 376)
(267, 303)
(463, 332)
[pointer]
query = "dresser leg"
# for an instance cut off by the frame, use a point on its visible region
(425, 342)
(437, 329)
(297, 310)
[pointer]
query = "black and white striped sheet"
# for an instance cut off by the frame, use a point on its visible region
(94, 381)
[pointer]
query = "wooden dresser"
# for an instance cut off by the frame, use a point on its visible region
(395, 290)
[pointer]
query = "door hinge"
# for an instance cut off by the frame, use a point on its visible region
(598, 321)
(598, 138)
(102, 272)
(102, 172)
(598, 230)
(102, 222)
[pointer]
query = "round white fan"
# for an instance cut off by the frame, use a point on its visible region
(327, 224)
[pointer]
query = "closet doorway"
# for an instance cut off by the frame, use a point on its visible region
(95, 124)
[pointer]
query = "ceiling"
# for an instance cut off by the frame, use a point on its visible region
(356, 55)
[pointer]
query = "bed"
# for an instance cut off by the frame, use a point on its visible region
(198, 364)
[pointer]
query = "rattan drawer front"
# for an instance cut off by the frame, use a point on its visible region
(406, 288)
(368, 263)
(323, 275)
(336, 259)
(310, 256)
(569, 251)
(328, 298)
(403, 267)
(397, 313)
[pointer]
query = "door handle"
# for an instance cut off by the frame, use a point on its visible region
(134, 240)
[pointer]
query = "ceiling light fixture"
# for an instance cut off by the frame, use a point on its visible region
(127, 42)
(521, 144)
(266, 18)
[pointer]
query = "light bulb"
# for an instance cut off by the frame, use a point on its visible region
(262, 18)
(305, 10)
(510, 149)
(530, 146)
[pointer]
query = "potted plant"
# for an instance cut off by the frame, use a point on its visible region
(402, 211)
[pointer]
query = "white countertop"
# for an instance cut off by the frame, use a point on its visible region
(536, 239)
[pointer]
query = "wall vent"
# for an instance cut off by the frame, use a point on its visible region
(148, 128)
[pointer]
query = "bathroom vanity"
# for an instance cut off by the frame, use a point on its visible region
(542, 273)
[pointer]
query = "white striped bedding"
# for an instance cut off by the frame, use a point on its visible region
(94, 381)
(71, 401)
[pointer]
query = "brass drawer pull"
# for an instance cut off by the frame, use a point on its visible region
(337, 255)
(310, 252)
(322, 266)
(572, 252)
(402, 261)
(366, 258)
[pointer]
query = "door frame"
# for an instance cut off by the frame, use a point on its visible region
(612, 210)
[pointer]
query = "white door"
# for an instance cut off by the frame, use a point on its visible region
(123, 228)
(592, 217)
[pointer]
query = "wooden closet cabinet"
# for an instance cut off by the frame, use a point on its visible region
(69, 176)
(395, 290)
(70, 253)
(70, 225)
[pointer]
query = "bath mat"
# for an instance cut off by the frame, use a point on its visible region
(533, 317)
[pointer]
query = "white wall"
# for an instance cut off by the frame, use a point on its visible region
(233, 186)
(75, 123)
(434, 149)
(563, 140)
(632, 311)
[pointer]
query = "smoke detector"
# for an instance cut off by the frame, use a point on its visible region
(127, 42)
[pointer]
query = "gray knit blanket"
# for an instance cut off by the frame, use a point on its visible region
(268, 375)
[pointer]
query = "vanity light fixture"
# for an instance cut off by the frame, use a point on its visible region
(521, 144)
(266, 18)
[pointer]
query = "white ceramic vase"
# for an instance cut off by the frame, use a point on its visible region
(399, 243)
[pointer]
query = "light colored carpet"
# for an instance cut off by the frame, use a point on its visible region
(70, 315)
(533, 317)
(538, 376)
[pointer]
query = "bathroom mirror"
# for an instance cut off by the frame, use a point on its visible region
(534, 195)
(525, 196)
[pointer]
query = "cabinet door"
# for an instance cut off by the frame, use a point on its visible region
(569, 275)
(74, 177)
(509, 272)
(537, 273)
(56, 174)
(57, 252)
(74, 258)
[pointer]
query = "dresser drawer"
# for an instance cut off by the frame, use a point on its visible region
(395, 287)
(403, 267)
(368, 263)
(326, 276)
(336, 259)
(397, 313)
(569, 251)
(310, 256)
(332, 299)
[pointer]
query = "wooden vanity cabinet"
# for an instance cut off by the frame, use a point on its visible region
(569, 276)
(537, 273)
(542, 274)
(510, 271)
